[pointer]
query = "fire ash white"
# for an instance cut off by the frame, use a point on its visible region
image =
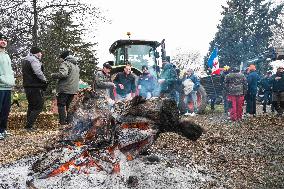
(149, 175)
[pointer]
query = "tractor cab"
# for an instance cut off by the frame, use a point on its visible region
(136, 52)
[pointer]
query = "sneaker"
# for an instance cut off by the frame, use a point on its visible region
(6, 133)
(187, 114)
(192, 114)
(2, 136)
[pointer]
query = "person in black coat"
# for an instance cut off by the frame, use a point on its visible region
(278, 90)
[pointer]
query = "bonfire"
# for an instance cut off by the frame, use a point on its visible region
(99, 139)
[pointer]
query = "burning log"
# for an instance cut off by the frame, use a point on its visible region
(98, 139)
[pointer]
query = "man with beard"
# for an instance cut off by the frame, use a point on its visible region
(34, 82)
(125, 84)
(7, 81)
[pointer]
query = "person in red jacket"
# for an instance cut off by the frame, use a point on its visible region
(236, 87)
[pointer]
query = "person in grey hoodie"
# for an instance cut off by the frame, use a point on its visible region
(34, 83)
(67, 86)
(7, 81)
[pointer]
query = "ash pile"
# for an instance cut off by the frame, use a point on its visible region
(104, 149)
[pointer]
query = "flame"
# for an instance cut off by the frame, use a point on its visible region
(63, 168)
(78, 144)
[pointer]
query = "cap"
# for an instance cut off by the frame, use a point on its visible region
(65, 54)
(35, 50)
(2, 36)
(107, 65)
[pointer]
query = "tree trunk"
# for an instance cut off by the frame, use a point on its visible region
(35, 26)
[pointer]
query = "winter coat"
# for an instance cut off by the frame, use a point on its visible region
(278, 85)
(188, 86)
(235, 84)
(128, 81)
(170, 76)
(252, 80)
(103, 84)
(147, 82)
(68, 76)
(7, 80)
(266, 84)
(32, 69)
(195, 80)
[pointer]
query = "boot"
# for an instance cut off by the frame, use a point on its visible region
(31, 118)
(62, 115)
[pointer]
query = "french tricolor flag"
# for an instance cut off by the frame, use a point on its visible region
(213, 62)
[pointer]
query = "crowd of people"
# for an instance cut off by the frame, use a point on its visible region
(34, 84)
(244, 87)
(237, 87)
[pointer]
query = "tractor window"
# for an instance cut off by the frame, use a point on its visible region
(137, 55)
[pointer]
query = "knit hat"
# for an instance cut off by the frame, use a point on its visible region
(107, 65)
(2, 36)
(226, 68)
(144, 67)
(35, 50)
(252, 67)
(65, 54)
(280, 67)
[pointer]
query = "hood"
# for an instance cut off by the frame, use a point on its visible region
(71, 59)
(32, 58)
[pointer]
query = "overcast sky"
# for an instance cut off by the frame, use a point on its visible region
(186, 24)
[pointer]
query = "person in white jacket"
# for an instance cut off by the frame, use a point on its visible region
(7, 81)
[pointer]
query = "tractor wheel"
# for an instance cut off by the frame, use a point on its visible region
(201, 101)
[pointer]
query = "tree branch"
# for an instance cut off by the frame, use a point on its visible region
(51, 6)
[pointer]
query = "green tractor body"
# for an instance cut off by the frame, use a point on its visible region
(145, 53)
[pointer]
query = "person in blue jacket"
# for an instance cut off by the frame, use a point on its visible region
(252, 80)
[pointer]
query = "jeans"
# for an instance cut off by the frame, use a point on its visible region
(5, 105)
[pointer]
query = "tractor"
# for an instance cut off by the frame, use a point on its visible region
(142, 52)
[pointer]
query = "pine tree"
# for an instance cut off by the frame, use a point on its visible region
(245, 31)
(62, 34)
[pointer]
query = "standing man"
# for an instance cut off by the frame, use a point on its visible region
(222, 82)
(125, 84)
(168, 80)
(7, 81)
(103, 84)
(193, 94)
(266, 86)
(146, 83)
(34, 83)
(236, 87)
(252, 80)
(67, 85)
(278, 91)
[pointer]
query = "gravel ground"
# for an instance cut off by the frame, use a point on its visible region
(244, 154)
